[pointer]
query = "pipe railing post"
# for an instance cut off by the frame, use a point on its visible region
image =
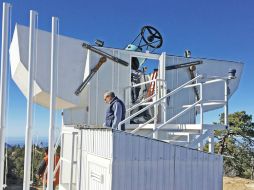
(201, 112)
(29, 119)
(3, 85)
(53, 79)
(211, 141)
(155, 135)
(226, 103)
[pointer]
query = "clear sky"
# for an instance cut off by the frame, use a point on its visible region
(219, 29)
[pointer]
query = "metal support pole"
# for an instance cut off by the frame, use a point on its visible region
(201, 113)
(211, 142)
(226, 103)
(163, 85)
(29, 119)
(71, 161)
(201, 107)
(200, 145)
(53, 80)
(155, 134)
(3, 85)
(79, 164)
(61, 160)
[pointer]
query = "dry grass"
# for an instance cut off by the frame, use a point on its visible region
(236, 183)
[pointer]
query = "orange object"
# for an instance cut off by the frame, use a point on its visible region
(151, 88)
(56, 177)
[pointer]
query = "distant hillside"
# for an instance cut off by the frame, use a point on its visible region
(15, 141)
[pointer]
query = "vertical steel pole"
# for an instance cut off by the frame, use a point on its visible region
(29, 119)
(53, 80)
(71, 161)
(226, 103)
(200, 144)
(211, 142)
(3, 85)
(155, 134)
(79, 161)
(201, 107)
(164, 89)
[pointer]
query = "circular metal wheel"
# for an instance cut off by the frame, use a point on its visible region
(151, 36)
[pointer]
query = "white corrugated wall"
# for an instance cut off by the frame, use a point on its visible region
(141, 163)
(96, 142)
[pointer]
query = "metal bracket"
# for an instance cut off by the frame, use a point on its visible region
(104, 54)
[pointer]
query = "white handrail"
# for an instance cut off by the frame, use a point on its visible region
(176, 116)
(140, 84)
(146, 82)
(135, 130)
(150, 97)
(159, 100)
(140, 103)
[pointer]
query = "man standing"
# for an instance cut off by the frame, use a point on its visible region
(115, 112)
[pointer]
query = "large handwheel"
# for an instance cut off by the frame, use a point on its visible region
(151, 36)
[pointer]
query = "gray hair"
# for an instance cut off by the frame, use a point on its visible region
(109, 93)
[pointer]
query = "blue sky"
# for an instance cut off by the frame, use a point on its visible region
(220, 29)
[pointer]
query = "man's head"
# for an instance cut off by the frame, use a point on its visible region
(108, 97)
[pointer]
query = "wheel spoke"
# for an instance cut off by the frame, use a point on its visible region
(150, 31)
(155, 41)
(158, 37)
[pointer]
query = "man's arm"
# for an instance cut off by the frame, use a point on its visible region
(117, 107)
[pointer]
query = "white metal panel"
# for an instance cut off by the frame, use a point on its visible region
(210, 171)
(194, 165)
(98, 142)
(180, 159)
(98, 173)
(199, 168)
(211, 92)
(174, 79)
(71, 66)
(143, 163)
(206, 172)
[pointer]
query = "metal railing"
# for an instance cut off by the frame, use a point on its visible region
(208, 133)
(127, 91)
(201, 103)
(159, 102)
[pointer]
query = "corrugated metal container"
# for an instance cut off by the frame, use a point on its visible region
(116, 160)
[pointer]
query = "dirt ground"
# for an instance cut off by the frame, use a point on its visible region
(237, 183)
